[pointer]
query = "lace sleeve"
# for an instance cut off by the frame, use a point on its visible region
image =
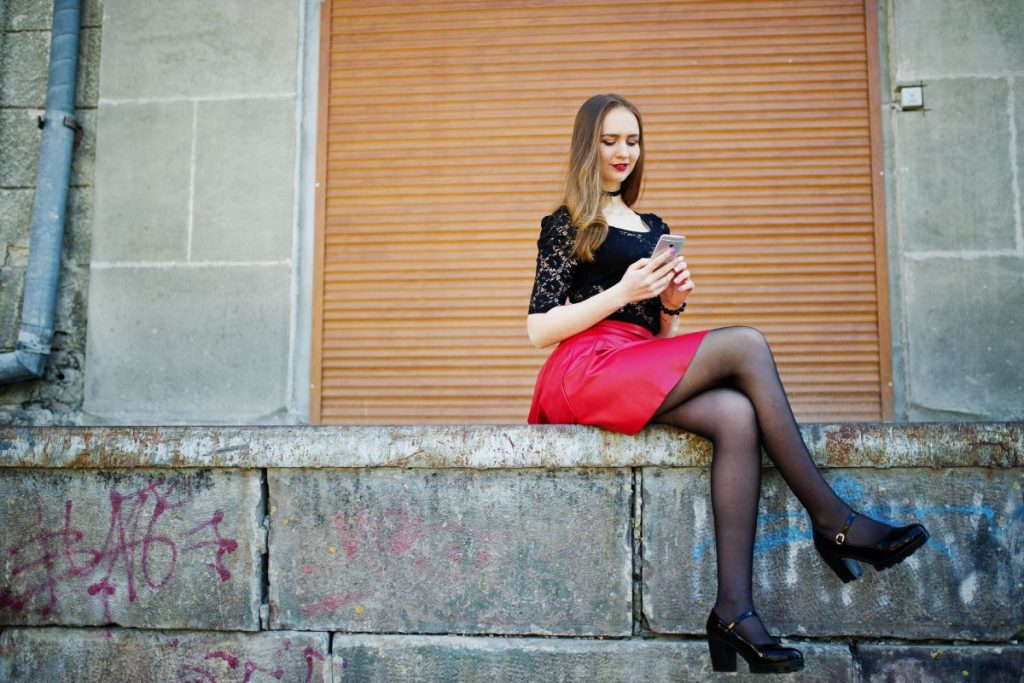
(556, 263)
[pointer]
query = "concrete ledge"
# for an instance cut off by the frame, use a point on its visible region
(388, 659)
(994, 444)
(153, 549)
(129, 656)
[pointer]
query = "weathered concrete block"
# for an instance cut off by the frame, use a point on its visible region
(24, 64)
(192, 48)
(143, 188)
(966, 583)
(15, 214)
(156, 548)
(411, 659)
(12, 291)
(77, 247)
(940, 663)
(964, 201)
(232, 221)
(194, 345)
(451, 551)
(989, 367)
(129, 656)
(87, 90)
(19, 146)
(951, 36)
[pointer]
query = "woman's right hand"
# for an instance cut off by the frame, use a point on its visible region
(649, 277)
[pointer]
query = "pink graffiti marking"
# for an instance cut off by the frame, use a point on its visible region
(328, 605)
(375, 535)
(248, 668)
(310, 654)
(51, 557)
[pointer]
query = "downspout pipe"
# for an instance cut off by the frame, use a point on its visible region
(28, 360)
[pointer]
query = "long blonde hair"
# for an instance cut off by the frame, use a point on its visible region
(583, 195)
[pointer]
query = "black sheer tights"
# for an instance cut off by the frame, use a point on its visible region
(732, 395)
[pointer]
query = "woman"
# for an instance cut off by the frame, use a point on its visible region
(620, 364)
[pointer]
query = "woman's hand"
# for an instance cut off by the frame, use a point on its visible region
(649, 277)
(680, 287)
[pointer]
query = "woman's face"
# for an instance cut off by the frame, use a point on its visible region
(619, 147)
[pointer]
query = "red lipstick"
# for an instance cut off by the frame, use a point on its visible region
(620, 167)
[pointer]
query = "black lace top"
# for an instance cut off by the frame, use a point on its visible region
(560, 276)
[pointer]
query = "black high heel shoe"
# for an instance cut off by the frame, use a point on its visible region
(893, 548)
(769, 658)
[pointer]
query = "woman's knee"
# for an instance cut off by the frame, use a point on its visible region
(750, 338)
(737, 418)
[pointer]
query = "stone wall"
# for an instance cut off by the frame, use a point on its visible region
(24, 61)
(955, 194)
(458, 553)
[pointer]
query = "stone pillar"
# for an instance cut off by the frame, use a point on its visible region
(191, 300)
(957, 208)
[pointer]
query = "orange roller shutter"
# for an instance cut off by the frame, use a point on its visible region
(444, 130)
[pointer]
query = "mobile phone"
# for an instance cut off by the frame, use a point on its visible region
(666, 241)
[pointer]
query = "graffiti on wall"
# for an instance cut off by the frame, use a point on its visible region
(223, 666)
(783, 528)
(136, 551)
(382, 540)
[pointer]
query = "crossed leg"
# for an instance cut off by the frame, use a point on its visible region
(731, 394)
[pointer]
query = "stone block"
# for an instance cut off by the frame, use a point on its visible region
(409, 659)
(150, 549)
(955, 37)
(77, 247)
(245, 177)
(966, 583)
(940, 663)
(16, 214)
(129, 656)
(187, 344)
(12, 292)
(87, 89)
(195, 48)
(143, 182)
(964, 357)
(953, 168)
(24, 64)
(19, 147)
(451, 551)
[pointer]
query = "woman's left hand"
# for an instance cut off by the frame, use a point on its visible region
(679, 288)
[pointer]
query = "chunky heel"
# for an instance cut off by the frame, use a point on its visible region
(724, 643)
(723, 657)
(846, 568)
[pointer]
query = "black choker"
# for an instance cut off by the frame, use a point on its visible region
(615, 193)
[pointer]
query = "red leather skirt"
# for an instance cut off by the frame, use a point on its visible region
(613, 375)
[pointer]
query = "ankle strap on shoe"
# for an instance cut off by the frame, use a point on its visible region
(745, 615)
(841, 536)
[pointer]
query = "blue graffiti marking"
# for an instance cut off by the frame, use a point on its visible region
(797, 525)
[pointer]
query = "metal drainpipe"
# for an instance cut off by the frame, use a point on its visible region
(28, 360)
